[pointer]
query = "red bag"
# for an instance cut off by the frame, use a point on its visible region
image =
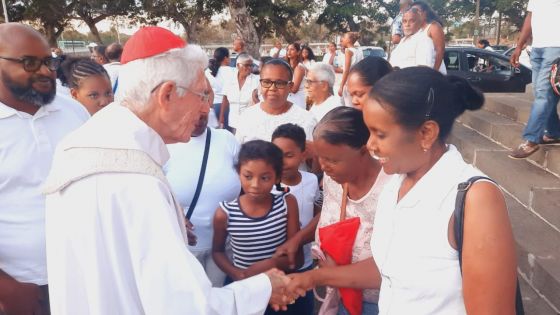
(337, 241)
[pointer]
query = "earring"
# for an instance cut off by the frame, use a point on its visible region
(425, 150)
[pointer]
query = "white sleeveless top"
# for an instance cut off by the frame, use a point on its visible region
(419, 269)
(298, 98)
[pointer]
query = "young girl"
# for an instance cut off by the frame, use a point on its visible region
(297, 91)
(258, 221)
(89, 83)
(352, 55)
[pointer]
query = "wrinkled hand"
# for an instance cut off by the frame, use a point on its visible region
(191, 237)
(514, 59)
(22, 298)
(278, 298)
(290, 249)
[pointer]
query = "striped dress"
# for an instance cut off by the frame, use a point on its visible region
(255, 239)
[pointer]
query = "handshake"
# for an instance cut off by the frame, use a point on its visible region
(286, 289)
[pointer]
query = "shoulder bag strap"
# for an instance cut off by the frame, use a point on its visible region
(344, 202)
(458, 226)
(201, 175)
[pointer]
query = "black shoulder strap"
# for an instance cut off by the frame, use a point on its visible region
(201, 175)
(459, 216)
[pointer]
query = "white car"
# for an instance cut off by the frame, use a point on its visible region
(524, 58)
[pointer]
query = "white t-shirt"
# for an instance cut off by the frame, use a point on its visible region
(224, 75)
(320, 110)
(544, 13)
(113, 71)
(27, 145)
(416, 50)
(274, 51)
(327, 58)
(239, 98)
(258, 124)
(357, 56)
(221, 181)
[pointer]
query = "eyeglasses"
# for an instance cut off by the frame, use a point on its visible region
(247, 65)
(279, 84)
(309, 82)
(204, 97)
(32, 64)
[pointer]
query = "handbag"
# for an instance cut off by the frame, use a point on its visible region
(337, 240)
(459, 215)
(201, 175)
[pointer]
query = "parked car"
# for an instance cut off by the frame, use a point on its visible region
(500, 48)
(462, 42)
(490, 71)
(373, 51)
(524, 58)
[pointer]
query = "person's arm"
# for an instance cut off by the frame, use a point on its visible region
(223, 110)
(360, 275)
(19, 298)
(219, 247)
(489, 259)
(299, 73)
(347, 63)
(438, 37)
(282, 262)
(290, 248)
(526, 33)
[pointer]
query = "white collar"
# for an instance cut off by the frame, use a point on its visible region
(116, 127)
(7, 111)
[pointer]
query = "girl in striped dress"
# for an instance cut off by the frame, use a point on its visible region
(257, 221)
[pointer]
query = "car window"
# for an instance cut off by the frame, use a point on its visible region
(451, 60)
(482, 63)
(373, 52)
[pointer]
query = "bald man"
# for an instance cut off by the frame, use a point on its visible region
(113, 53)
(33, 119)
(238, 48)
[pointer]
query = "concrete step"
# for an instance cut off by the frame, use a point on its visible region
(533, 186)
(533, 212)
(516, 107)
(508, 134)
(538, 250)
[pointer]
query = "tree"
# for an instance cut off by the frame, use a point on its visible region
(95, 11)
(245, 26)
(191, 14)
(52, 16)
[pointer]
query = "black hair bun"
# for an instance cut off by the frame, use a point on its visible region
(468, 97)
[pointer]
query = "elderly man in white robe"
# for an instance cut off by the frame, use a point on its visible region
(116, 239)
(416, 48)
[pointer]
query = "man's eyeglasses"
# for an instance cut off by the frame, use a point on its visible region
(279, 84)
(32, 64)
(204, 97)
(247, 65)
(309, 82)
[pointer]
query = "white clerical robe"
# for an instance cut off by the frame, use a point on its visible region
(115, 241)
(416, 50)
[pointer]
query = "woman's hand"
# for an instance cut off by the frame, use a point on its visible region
(340, 92)
(299, 284)
(328, 262)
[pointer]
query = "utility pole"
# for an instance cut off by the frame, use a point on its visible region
(6, 20)
(477, 21)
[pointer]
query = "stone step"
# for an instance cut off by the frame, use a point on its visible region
(534, 222)
(508, 134)
(516, 107)
(538, 250)
(533, 186)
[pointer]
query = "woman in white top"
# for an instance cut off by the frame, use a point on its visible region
(307, 57)
(410, 114)
(219, 73)
(297, 92)
(319, 87)
(363, 76)
(352, 55)
(432, 26)
(260, 121)
(239, 91)
(221, 182)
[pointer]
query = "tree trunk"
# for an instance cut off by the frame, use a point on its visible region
(93, 29)
(245, 27)
(50, 34)
(191, 29)
(499, 30)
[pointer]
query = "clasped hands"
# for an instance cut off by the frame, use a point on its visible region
(286, 289)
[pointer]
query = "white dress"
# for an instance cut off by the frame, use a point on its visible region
(298, 98)
(419, 268)
(240, 98)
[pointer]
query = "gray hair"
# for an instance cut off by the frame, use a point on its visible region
(323, 72)
(138, 78)
(242, 57)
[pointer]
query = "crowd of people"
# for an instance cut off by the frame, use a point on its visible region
(151, 180)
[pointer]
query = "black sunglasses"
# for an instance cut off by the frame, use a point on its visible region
(279, 84)
(32, 64)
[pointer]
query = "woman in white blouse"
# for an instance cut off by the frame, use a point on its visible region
(239, 92)
(219, 73)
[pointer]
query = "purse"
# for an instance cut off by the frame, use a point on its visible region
(337, 240)
(459, 215)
